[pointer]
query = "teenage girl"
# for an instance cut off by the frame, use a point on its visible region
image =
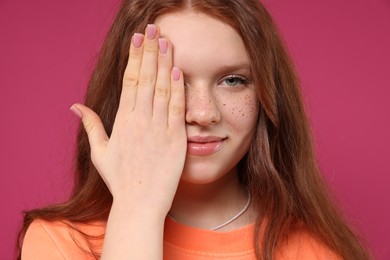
(195, 146)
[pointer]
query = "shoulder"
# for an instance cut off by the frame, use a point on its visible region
(303, 245)
(62, 240)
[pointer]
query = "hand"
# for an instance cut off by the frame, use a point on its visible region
(143, 159)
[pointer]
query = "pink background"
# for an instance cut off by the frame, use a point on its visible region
(342, 52)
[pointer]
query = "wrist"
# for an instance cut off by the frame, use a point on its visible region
(138, 210)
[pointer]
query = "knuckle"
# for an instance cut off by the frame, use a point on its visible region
(146, 80)
(88, 126)
(161, 92)
(135, 55)
(130, 79)
(151, 48)
(176, 110)
(178, 90)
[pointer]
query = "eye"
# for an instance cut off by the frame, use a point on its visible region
(234, 81)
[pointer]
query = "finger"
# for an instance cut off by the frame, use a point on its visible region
(131, 75)
(163, 82)
(148, 71)
(177, 100)
(95, 130)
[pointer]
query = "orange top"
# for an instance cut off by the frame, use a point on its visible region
(56, 240)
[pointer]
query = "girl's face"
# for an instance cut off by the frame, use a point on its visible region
(221, 103)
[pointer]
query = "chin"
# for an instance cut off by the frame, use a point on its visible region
(198, 178)
(205, 174)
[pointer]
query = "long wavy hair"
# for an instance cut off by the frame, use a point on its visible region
(280, 169)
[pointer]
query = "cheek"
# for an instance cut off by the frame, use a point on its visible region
(239, 109)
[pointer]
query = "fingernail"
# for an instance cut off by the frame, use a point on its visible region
(163, 44)
(151, 31)
(75, 110)
(176, 73)
(137, 40)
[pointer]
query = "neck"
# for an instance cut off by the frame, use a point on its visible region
(209, 205)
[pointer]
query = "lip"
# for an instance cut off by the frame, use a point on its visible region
(204, 145)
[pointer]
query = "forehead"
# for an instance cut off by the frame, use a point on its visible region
(200, 38)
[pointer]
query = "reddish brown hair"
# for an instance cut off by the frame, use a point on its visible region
(279, 169)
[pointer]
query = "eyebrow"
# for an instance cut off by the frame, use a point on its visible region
(234, 67)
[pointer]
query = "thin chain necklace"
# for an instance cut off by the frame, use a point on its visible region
(231, 219)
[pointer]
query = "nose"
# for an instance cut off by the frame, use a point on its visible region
(201, 106)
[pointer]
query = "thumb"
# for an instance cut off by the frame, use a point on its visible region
(97, 136)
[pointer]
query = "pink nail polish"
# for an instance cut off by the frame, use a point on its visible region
(163, 44)
(75, 110)
(151, 31)
(176, 73)
(137, 40)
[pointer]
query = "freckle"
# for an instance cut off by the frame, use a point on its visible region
(243, 114)
(224, 104)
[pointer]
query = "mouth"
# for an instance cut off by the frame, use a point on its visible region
(204, 145)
